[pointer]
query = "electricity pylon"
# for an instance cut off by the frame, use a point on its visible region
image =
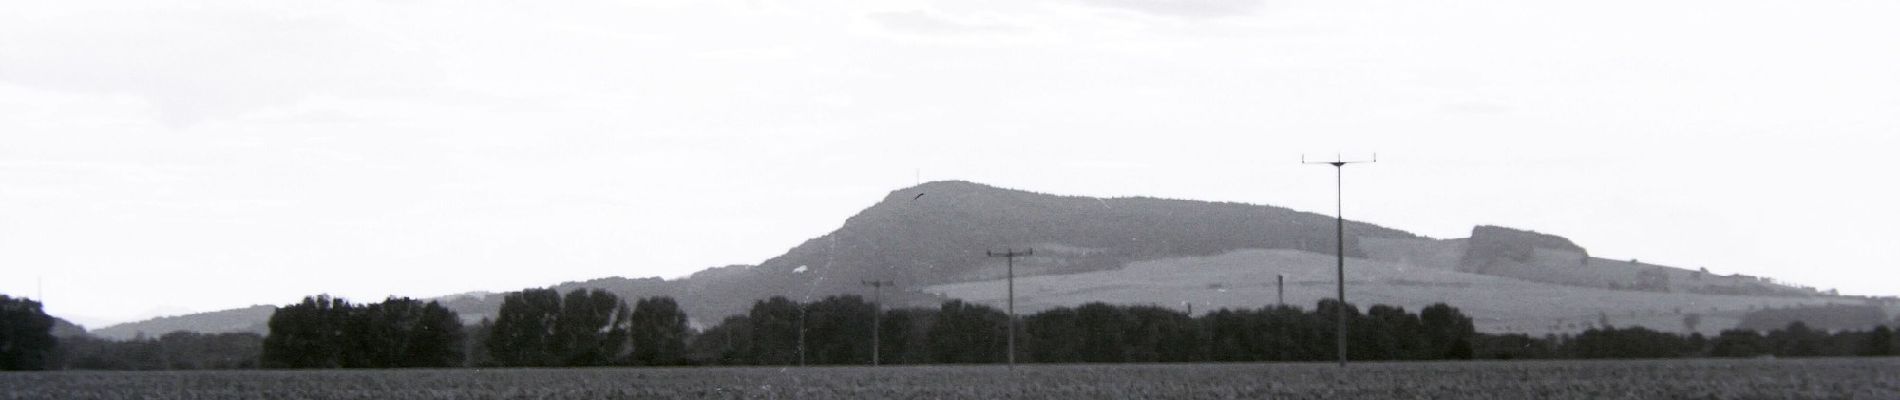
(1339, 211)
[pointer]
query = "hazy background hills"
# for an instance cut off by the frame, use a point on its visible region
(931, 239)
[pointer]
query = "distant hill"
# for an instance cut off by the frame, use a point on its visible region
(1546, 258)
(248, 319)
(65, 329)
(936, 234)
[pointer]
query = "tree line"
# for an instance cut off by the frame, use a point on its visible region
(179, 350)
(544, 328)
(835, 331)
(1794, 340)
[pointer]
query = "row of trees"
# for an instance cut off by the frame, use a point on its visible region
(328, 332)
(1794, 340)
(172, 351)
(834, 330)
(543, 328)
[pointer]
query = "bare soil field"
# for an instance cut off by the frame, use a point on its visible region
(1865, 378)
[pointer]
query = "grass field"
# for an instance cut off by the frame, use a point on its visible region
(1877, 378)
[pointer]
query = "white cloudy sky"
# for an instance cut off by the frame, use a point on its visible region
(161, 157)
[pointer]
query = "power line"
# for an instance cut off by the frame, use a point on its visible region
(877, 313)
(1011, 255)
(1339, 193)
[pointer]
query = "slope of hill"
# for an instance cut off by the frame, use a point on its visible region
(935, 234)
(1246, 279)
(1538, 257)
(65, 329)
(248, 319)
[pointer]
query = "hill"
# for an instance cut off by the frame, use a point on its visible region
(64, 329)
(938, 232)
(248, 319)
(933, 236)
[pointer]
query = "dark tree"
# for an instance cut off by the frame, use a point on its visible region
(838, 330)
(1797, 340)
(591, 329)
(658, 330)
(1053, 336)
(968, 333)
(26, 335)
(1739, 343)
(436, 340)
(1100, 333)
(1390, 333)
(524, 328)
(310, 334)
(1329, 309)
(1880, 342)
(379, 333)
(1157, 334)
(1447, 332)
(905, 339)
(774, 323)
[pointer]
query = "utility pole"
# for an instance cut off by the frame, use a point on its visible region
(877, 314)
(801, 334)
(1011, 255)
(1339, 193)
(1281, 285)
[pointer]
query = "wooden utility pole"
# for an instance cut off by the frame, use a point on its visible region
(1011, 255)
(877, 314)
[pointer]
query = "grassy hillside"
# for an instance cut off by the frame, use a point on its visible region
(1246, 279)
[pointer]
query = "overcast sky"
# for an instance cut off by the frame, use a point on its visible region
(159, 158)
